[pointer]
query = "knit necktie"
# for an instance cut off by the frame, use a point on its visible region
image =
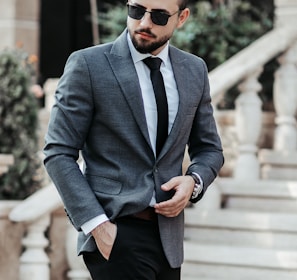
(161, 101)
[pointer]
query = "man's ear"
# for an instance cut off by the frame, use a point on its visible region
(184, 15)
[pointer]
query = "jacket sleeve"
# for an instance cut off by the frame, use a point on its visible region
(204, 146)
(69, 122)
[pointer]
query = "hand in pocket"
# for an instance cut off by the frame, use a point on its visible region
(105, 235)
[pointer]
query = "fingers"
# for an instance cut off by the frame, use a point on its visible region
(170, 208)
(173, 184)
(183, 186)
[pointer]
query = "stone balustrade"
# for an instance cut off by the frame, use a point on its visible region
(34, 260)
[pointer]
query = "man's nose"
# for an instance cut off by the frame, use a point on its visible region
(146, 20)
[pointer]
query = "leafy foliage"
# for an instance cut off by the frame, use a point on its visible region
(112, 21)
(18, 124)
(216, 34)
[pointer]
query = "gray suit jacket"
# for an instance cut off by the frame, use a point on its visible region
(99, 110)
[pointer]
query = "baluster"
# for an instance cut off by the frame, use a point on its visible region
(285, 101)
(78, 270)
(248, 122)
(34, 262)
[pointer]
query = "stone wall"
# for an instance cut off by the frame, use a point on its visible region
(19, 24)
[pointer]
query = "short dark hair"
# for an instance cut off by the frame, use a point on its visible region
(182, 4)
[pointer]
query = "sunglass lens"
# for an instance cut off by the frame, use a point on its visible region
(135, 12)
(159, 18)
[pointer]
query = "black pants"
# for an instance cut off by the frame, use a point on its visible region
(137, 254)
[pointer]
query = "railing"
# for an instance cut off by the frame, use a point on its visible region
(243, 69)
(34, 262)
(247, 61)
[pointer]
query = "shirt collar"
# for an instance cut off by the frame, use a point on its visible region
(137, 56)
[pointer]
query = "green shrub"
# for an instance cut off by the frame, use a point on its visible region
(18, 125)
(112, 22)
(218, 33)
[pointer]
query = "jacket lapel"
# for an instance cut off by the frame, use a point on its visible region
(123, 68)
(184, 87)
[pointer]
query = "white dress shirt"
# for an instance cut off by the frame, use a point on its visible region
(150, 107)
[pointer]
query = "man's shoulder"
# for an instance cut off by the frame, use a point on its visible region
(118, 47)
(91, 54)
(179, 54)
(95, 49)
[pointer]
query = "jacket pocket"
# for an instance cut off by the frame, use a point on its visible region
(104, 185)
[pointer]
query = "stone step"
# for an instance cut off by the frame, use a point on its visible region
(278, 158)
(235, 228)
(282, 189)
(261, 195)
(250, 243)
(257, 258)
(278, 165)
(194, 271)
(251, 221)
(235, 238)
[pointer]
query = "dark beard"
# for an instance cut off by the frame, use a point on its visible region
(144, 47)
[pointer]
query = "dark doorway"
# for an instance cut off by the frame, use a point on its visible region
(65, 26)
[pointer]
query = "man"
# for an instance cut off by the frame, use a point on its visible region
(128, 202)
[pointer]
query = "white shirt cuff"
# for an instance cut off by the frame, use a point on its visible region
(91, 224)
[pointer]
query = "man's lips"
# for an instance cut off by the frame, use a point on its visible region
(145, 35)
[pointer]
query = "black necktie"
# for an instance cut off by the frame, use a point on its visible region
(161, 100)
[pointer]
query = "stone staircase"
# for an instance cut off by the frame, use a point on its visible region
(253, 235)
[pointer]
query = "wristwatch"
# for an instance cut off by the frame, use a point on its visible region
(197, 187)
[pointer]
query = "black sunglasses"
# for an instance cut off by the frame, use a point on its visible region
(157, 17)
